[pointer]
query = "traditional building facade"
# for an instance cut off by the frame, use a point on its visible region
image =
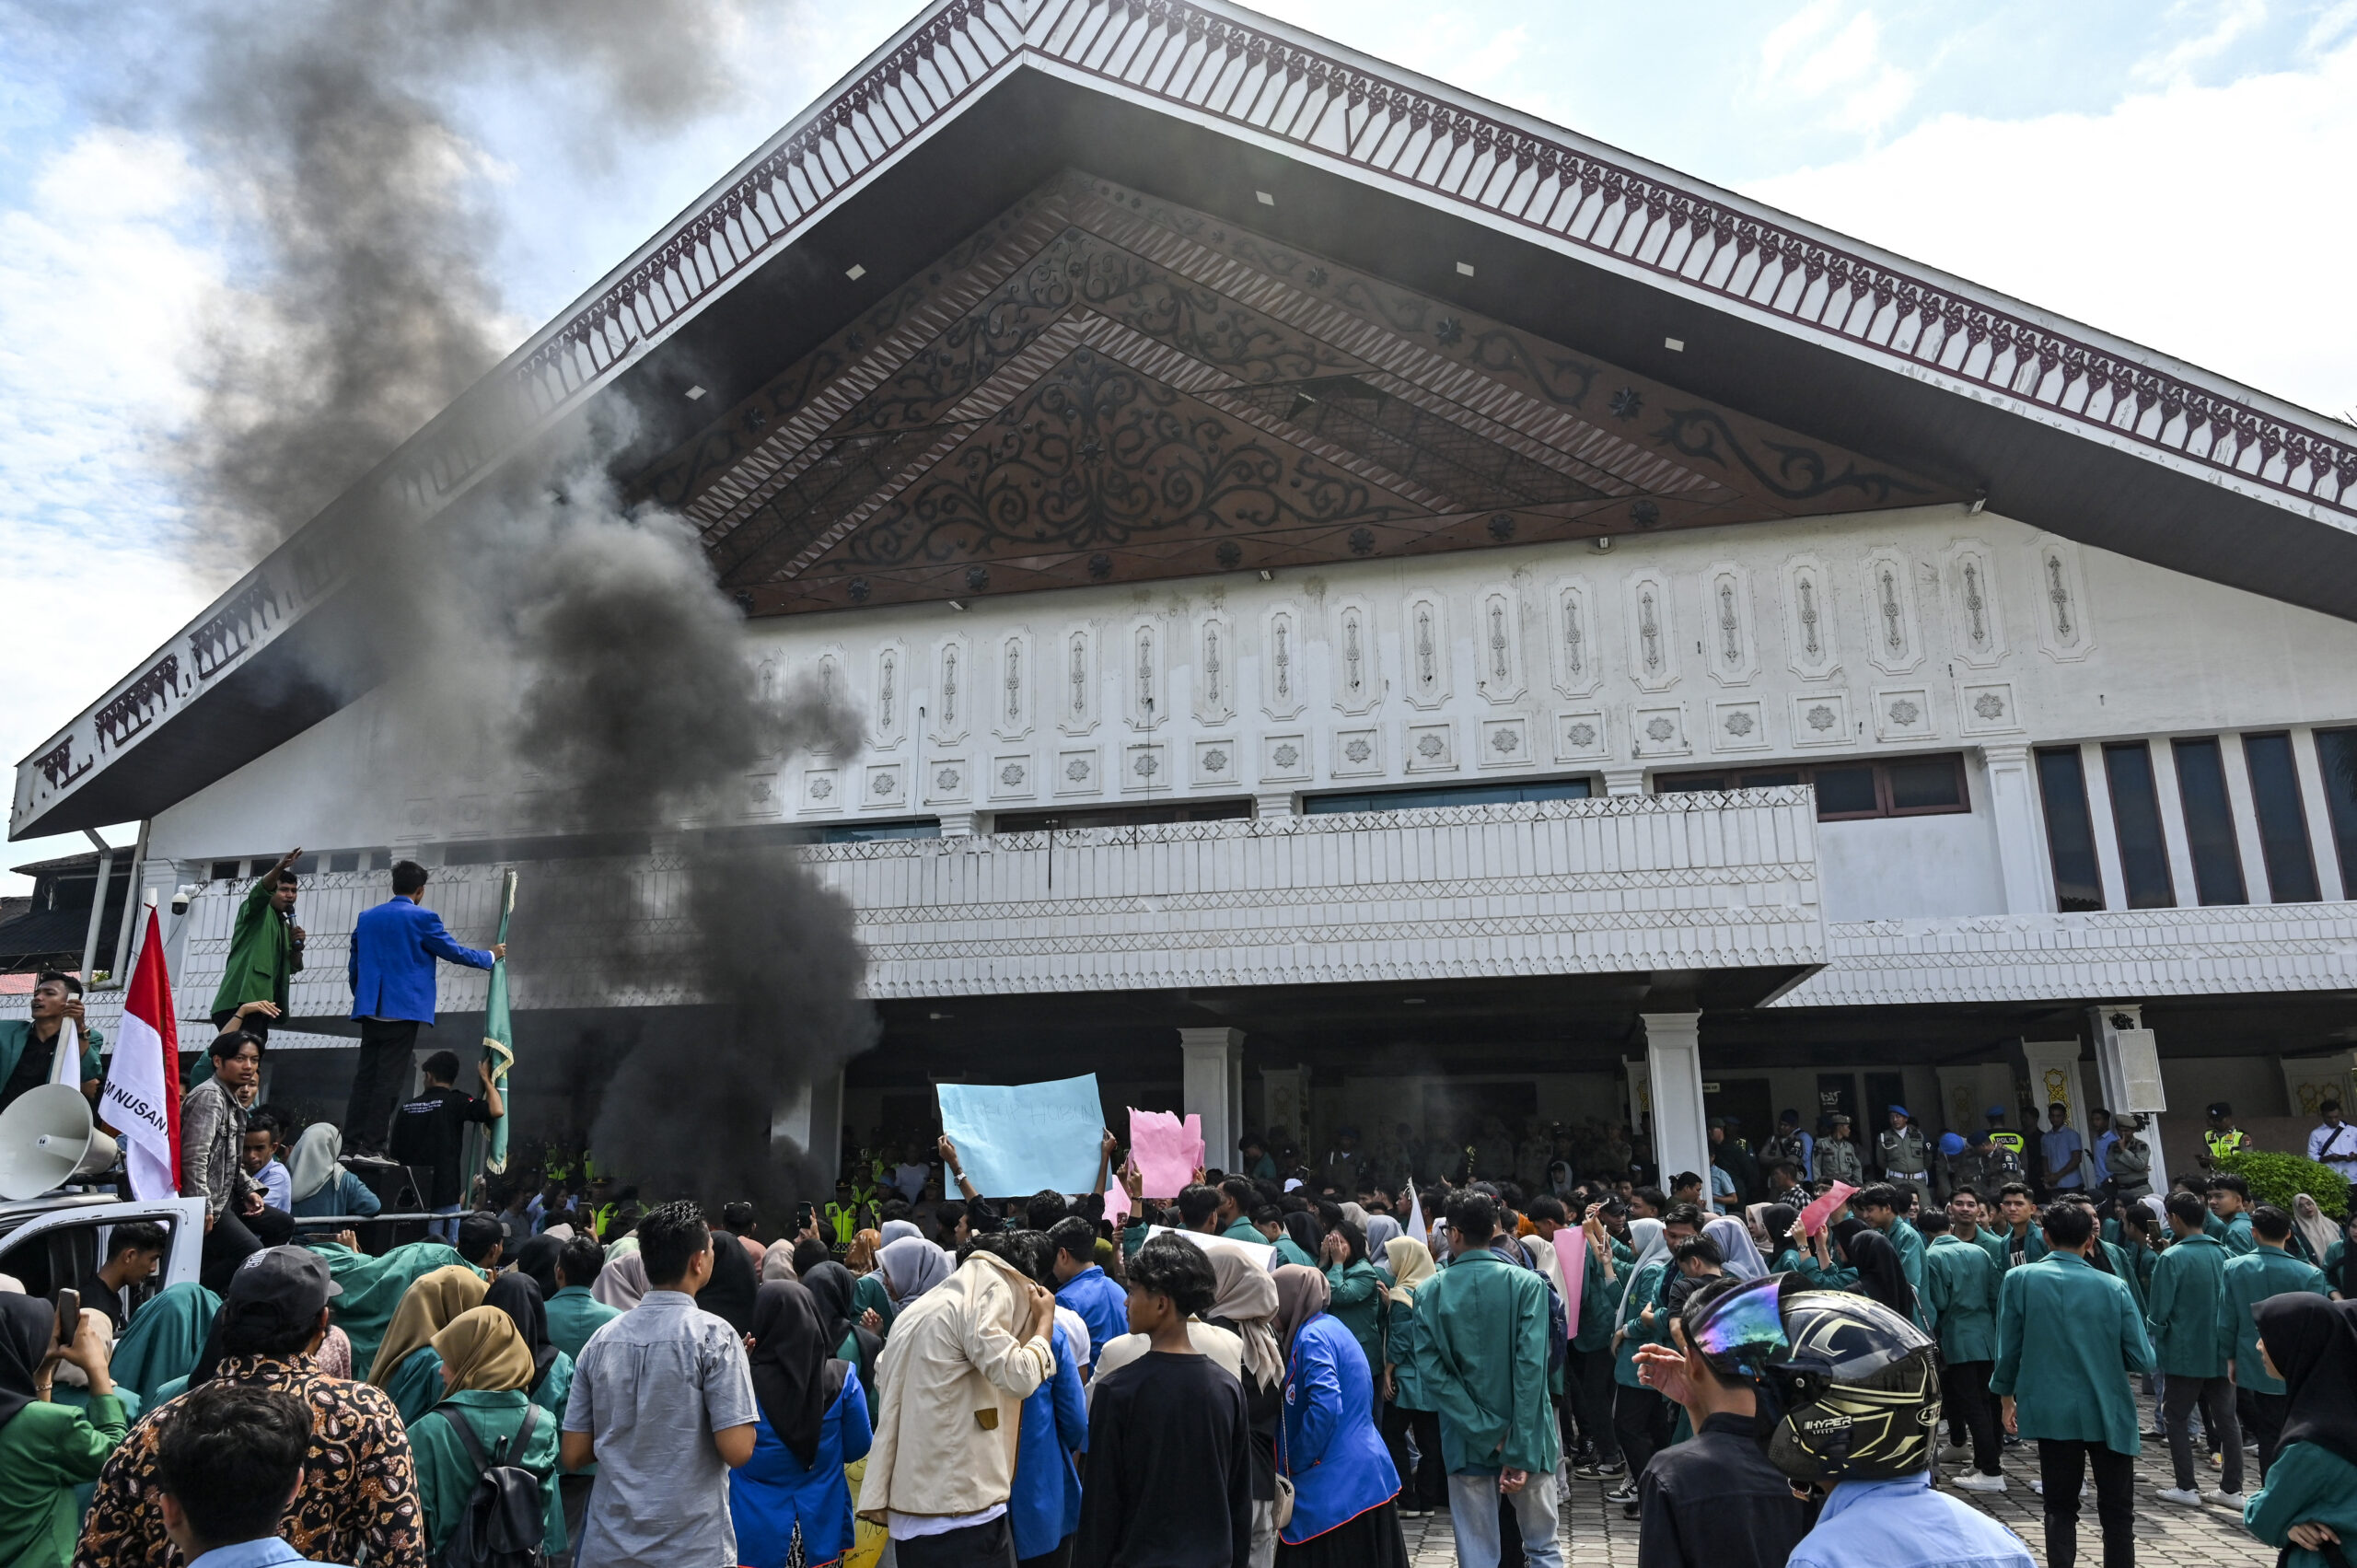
(1367, 607)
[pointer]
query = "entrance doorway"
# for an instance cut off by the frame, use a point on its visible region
(1748, 1104)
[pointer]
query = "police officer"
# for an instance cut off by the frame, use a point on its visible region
(1837, 1157)
(2131, 1160)
(1986, 1166)
(2222, 1137)
(1944, 1163)
(1906, 1156)
(2005, 1137)
(1790, 1143)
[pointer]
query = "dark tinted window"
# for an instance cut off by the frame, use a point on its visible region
(1454, 795)
(344, 860)
(1688, 784)
(2136, 814)
(1846, 792)
(2070, 830)
(2337, 762)
(1925, 784)
(1121, 816)
(225, 871)
(1768, 780)
(2282, 820)
(2209, 822)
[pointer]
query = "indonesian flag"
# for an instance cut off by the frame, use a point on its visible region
(142, 1094)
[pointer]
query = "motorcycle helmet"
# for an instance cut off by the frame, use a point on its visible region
(1855, 1387)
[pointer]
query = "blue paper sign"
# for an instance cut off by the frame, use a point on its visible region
(1017, 1139)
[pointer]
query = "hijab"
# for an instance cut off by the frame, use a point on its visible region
(1410, 1262)
(795, 1376)
(912, 1266)
(895, 1230)
(1645, 1236)
(861, 1259)
(2313, 1343)
(1246, 1301)
(1302, 1295)
(2318, 1231)
(2346, 1268)
(518, 1295)
(1356, 1214)
(426, 1309)
(1380, 1229)
(165, 1338)
(313, 1161)
(1778, 1220)
(536, 1260)
(1559, 1179)
(1881, 1277)
(27, 1326)
(1740, 1254)
(481, 1350)
(777, 1263)
(621, 1283)
(728, 1294)
(834, 1289)
(1303, 1229)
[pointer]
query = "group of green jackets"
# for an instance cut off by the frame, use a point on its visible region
(2199, 1308)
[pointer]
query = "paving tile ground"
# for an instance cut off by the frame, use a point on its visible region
(1596, 1536)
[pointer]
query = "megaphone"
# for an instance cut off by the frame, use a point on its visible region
(47, 1139)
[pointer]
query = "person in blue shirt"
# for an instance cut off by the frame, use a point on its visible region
(1043, 1508)
(812, 1420)
(1082, 1286)
(227, 1465)
(391, 972)
(1344, 1512)
(318, 1181)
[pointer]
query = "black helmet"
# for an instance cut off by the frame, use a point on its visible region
(1856, 1388)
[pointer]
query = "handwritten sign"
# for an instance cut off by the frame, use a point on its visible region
(1017, 1139)
(1168, 1151)
(1815, 1217)
(1261, 1257)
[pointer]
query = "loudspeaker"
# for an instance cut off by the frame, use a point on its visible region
(47, 1139)
(401, 1190)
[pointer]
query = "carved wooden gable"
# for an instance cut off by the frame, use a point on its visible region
(1101, 387)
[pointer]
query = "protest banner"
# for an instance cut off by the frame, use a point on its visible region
(1815, 1217)
(1017, 1139)
(1261, 1256)
(1168, 1151)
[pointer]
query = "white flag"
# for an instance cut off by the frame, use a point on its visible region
(1416, 1215)
(65, 1067)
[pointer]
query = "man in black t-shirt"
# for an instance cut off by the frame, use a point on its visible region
(427, 1131)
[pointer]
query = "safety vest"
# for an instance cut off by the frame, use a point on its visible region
(2227, 1143)
(843, 1218)
(2009, 1141)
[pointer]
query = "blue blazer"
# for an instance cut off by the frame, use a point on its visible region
(1045, 1506)
(393, 949)
(1327, 1444)
(774, 1491)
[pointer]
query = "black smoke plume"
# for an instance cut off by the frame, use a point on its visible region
(540, 638)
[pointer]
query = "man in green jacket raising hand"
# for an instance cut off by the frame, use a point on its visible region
(2186, 1312)
(1483, 1359)
(265, 951)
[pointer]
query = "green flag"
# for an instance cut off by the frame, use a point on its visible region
(499, 1033)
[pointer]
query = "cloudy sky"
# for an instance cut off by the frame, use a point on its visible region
(2175, 174)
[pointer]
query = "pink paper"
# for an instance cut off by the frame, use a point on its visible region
(1117, 1199)
(1169, 1151)
(1813, 1218)
(1571, 1251)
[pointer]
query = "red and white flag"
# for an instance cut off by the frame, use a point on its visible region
(142, 1095)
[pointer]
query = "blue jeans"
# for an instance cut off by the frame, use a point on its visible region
(446, 1231)
(1473, 1516)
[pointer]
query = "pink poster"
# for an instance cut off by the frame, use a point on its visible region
(1571, 1251)
(1814, 1217)
(1169, 1151)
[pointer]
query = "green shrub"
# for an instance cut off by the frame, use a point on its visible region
(2276, 1178)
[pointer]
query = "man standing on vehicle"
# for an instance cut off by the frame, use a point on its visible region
(265, 951)
(391, 970)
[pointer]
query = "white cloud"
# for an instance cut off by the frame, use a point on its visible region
(2193, 219)
(2231, 20)
(1816, 57)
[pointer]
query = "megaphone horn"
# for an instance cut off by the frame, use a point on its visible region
(47, 1139)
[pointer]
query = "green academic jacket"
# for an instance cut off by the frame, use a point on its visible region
(1403, 1331)
(1793, 1261)
(374, 1286)
(574, 1315)
(45, 1452)
(1593, 1330)
(261, 953)
(1961, 1282)
(1481, 1358)
(2307, 1483)
(2182, 1307)
(445, 1477)
(1992, 1242)
(2064, 1331)
(2033, 1247)
(15, 1032)
(1909, 1243)
(1355, 1299)
(1645, 1290)
(2238, 1238)
(2251, 1279)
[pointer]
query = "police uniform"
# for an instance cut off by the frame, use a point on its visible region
(1789, 1148)
(2131, 1162)
(1907, 1162)
(2218, 1144)
(1836, 1160)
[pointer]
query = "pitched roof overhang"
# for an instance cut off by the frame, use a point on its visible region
(978, 102)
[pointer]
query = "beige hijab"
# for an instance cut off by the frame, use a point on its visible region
(1410, 1262)
(425, 1309)
(1246, 1301)
(481, 1349)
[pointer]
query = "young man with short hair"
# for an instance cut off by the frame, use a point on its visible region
(2230, 1200)
(430, 1132)
(2334, 1144)
(573, 1313)
(663, 1402)
(2267, 1269)
(265, 952)
(1082, 1286)
(28, 1046)
(1686, 1186)
(2023, 1242)
(134, 1250)
(260, 1158)
(227, 1467)
(482, 1241)
(1238, 1199)
(1878, 1206)
(2193, 1342)
(1201, 1209)
(213, 1136)
(1960, 1283)
(394, 946)
(2059, 1152)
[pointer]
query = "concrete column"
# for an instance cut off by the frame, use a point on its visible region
(963, 824)
(1624, 781)
(2021, 829)
(1212, 1087)
(1674, 1070)
(2109, 1024)
(1277, 803)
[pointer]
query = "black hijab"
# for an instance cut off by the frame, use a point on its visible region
(2346, 1268)
(1777, 1220)
(833, 1287)
(1303, 1228)
(2313, 1343)
(1881, 1277)
(728, 1294)
(536, 1260)
(518, 1295)
(26, 1325)
(795, 1376)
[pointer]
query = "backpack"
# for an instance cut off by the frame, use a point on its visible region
(503, 1519)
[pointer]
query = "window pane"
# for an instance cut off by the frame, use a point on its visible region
(225, 871)
(1770, 781)
(2283, 822)
(2208, 823)
(2070, 832)
(1926, 784)
(1685, 784)
(2136, 812)
(1846, 792)
(348, 860)
(2337, 761)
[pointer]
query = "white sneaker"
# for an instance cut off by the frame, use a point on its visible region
(1972, 1481)
(1955, 1454)
(2185, 1497)
(2228, 1500)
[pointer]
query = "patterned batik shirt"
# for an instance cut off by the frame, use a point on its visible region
(359, 1490)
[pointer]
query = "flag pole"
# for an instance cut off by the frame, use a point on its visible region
(498, 1036)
